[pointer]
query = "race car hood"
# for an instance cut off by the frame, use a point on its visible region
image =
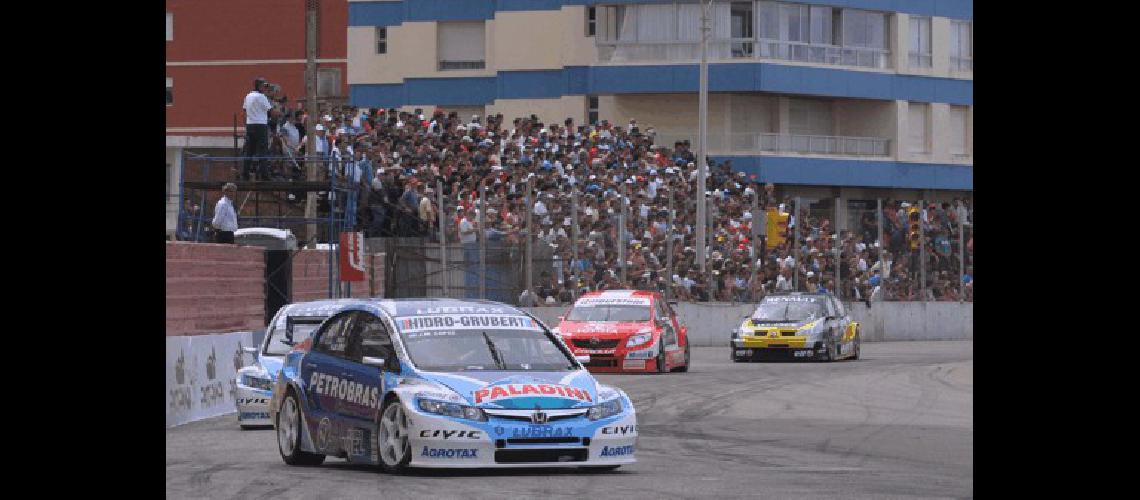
(513, 390)
(611, 328)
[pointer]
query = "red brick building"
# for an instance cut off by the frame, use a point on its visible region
(214, 50)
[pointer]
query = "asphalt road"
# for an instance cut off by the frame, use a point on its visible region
(896, 424)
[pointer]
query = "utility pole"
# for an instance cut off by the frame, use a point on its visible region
(311, 8)
(702, 151)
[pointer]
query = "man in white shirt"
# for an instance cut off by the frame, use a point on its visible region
(257, 108)
(225, 219)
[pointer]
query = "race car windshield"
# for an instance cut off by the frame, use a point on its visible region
(491, 349)
(609, 313)
(778, 311)
(301, 331)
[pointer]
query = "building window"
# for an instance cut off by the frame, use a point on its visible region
(328, 82)
(461, 45)
(958, 131)
(920, 42)
(961, 46)
(823, 35)
(169, 91)
(918, 127)
(592, 110)
(591, 21)
(169, 26)
(381, 40)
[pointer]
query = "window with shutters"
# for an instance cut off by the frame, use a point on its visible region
(328, 82)
(920, 42)
(169, 91)
(958, 131)
(918, 127)
(381, 40)
(461, 45)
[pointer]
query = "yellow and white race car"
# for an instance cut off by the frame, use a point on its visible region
(797, 325)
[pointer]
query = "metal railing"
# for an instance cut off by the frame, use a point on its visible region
(460, 65)
(791, 143)
(615, 51)
(962, 63)
(918, 60)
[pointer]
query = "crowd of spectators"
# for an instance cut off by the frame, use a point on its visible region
(393, 162)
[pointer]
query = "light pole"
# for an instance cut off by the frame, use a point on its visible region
(702, 148)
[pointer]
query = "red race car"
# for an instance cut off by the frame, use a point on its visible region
(626, 331)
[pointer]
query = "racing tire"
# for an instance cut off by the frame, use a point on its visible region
(856, 355)
(686, 367)
(289, 429)
(661, 357)
(827, 354)
(598, 468)
(392, 445)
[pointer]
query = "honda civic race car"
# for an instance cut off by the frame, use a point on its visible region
(293, 323)
(797, 326)
(626, 331)
(445, 383)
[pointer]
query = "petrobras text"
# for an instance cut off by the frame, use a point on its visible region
(344, 389)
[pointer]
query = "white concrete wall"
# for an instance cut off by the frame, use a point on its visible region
(711, 324)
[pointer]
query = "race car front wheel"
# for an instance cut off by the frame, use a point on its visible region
(661, 357)
(392, 438)
(289, 435)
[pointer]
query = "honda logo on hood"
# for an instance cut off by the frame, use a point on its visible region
(539, 416)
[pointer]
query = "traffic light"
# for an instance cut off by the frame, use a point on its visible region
(914, 234)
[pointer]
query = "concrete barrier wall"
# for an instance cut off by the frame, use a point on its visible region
(214, 288)
(311, 276)
(201, 375)
(710, 324)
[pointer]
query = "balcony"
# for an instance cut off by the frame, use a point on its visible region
(736, 49)
(735, 143)
(461, 65)
(962, 63)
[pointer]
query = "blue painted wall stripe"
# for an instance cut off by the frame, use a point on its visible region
(735, 77)
(862, 173)
(393, 13)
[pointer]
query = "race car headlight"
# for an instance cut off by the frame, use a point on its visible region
(639, 339)
(452, 410)
(607, 409)
(264, 384)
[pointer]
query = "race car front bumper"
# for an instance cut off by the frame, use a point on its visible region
(620, 360)
(445, 442)
(741, 351)
(253, 406)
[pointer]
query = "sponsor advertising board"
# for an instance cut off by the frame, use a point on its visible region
(201, 375)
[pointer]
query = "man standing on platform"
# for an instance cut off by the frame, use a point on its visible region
(225, 219)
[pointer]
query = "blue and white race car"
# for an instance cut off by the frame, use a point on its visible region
(292, 323)
(446, 383)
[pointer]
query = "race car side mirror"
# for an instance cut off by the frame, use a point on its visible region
(562, 318)
(584, 359)
(377, 362)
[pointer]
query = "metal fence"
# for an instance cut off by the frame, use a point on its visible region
(541, 246)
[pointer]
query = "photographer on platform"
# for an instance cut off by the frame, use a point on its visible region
(257, 111)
